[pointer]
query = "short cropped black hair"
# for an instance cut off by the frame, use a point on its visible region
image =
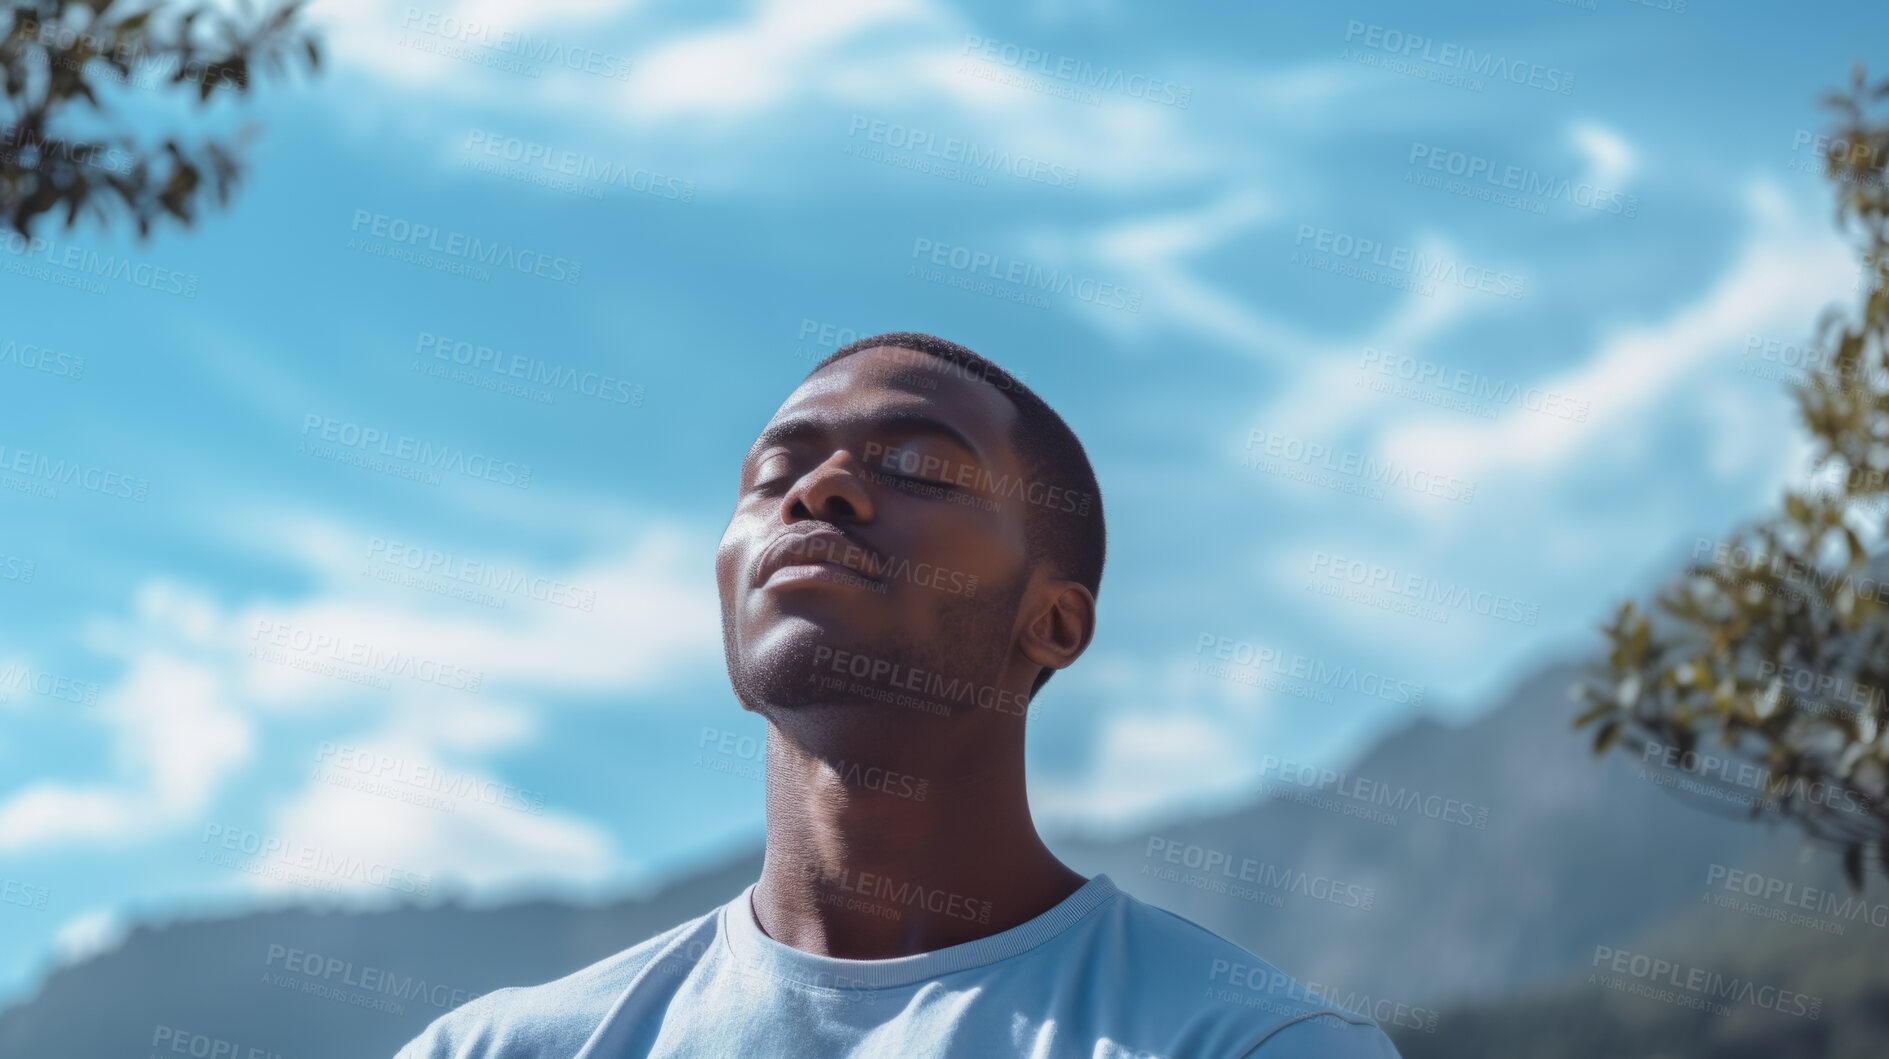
(1062, 500)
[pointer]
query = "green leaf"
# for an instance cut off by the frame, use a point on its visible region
(1857, 553)
(1605, 736)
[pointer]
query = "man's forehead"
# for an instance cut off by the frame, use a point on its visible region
(891, 379)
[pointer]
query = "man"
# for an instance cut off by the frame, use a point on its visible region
(916, 547)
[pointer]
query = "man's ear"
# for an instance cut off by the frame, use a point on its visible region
(1061, 625)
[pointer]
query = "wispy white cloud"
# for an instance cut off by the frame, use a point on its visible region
(485, 50)
(688, 91)
(1160, 254)
(1677, 370)
(1166, 740)
(1788, 270)
(654, 615)
(1783, 275)
(86, 935)
(1611, 160)
(177, 733)
(184, 719)
(454, 836)
(772, 58)
(1144, 767)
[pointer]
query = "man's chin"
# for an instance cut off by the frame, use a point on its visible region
(785, 668)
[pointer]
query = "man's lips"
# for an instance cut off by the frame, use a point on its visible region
(818, 548)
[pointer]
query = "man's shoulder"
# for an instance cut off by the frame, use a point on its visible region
(1217, 983)
(557, 1017)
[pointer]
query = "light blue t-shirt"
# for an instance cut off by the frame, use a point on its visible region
(1102, 975)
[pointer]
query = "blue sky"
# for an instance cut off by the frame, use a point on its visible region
(1486, 298)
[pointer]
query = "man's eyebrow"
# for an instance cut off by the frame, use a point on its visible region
(901, 421)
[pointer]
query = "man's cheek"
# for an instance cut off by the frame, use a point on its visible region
(728, 559)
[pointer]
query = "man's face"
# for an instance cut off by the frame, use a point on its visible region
(869, 537)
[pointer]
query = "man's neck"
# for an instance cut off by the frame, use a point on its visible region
(867, 862)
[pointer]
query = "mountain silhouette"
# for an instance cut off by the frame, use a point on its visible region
(1452, 866)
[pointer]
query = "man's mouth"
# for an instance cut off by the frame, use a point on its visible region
(820, 555)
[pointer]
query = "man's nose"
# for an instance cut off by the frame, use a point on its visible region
(833, 492)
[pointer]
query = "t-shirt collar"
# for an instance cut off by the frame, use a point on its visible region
(754, 949)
